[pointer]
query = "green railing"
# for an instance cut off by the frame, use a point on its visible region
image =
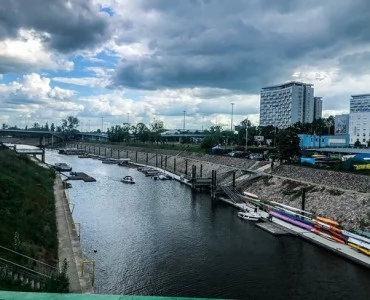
(4, 295)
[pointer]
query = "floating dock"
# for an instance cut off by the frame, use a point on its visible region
(80, 176)
(272, 228)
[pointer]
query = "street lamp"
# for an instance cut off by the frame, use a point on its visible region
(232, 115)
(246, 135)
(184, 119)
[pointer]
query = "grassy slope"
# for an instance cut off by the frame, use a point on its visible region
(27, 207)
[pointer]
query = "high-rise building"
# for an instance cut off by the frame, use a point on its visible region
(285, 104)
(317, 108)
(359, 119)
(359, 103)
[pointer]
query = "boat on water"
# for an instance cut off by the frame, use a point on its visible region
(62, 167)
(110, 161)
(128, 179)
(85, 155)
(250, 216)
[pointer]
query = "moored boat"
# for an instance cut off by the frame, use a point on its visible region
(62, 167)
(250, 216)
(127, 179)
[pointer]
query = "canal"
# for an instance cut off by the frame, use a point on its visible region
(160, 238)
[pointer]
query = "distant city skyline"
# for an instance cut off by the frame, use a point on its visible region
(120, 58)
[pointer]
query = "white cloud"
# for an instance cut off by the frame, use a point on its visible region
(33, 97)
(27, 52)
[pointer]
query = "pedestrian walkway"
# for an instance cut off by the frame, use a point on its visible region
(69, 245)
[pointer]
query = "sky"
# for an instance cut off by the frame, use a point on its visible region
(204, 62)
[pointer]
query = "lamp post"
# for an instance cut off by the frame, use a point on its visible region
(246, 135)
(232, 115)
(184, 120)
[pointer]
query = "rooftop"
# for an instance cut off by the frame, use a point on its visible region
(361, 95)
(287, 84)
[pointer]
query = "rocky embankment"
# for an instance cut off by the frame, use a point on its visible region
(340, 196)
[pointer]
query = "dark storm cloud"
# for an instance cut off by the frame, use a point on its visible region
(239, 45)
(66, 27)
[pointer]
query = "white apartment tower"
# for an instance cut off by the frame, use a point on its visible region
(359, 119)
(285, 104)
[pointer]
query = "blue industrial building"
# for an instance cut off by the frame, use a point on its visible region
(321, 141)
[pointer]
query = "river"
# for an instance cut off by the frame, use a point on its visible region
(160, 238)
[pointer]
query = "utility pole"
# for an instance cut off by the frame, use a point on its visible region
(232, 115)
(128, 118)
(102, 124)
(184, 120)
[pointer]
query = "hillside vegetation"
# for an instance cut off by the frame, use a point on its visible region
(27, 218)
(27, 207)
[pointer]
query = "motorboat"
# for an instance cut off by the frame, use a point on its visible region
(250, 216)
(110, 161)
(128, 179)
(62, 167)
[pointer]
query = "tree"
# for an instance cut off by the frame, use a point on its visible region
(357, 144)
(70, 124)
(288, 144)
(52, 127)
(5, 126)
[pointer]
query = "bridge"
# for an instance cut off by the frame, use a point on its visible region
(60, 136)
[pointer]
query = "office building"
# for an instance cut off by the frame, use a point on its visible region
(359, 119)
(359, 127)
(359, 103)
(288, 103)
(317, 114)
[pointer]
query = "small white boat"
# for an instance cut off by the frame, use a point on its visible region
(128, 179)
(250, 216)
(62, 167)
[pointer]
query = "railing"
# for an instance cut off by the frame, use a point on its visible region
(27, 262)
(19, 272)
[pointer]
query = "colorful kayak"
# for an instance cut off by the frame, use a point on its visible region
(362, 232)
(251, 196)
(328, 221)
(291, 221)
(327, 235)
(359, 243)
(291, 208)
(293, 215)
(367, 252)
(356, 236)
(327, 226)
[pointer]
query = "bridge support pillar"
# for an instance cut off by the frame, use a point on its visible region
(43, 156)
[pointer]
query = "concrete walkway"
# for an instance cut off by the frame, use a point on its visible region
(69, 245)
